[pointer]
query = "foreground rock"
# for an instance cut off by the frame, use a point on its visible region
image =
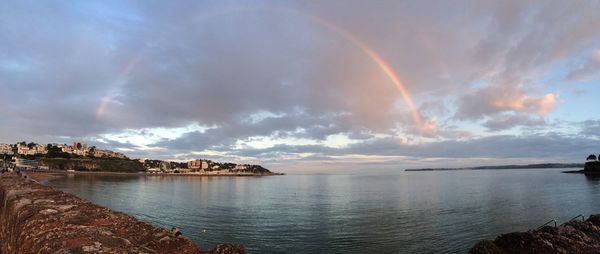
(38, 219)
(571, 237)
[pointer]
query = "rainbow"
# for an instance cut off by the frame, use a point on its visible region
(383, 65)
(373, 55)
(123, 74)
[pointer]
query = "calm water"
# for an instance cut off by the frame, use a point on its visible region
(352, 212)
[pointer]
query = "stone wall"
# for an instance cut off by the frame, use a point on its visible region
(39, 219)
(571, 237)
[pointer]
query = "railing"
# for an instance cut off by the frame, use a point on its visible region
(550, 221)
(574, 218)
(581, 215)
(556, 223)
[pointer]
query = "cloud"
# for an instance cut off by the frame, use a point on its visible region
(589, 70)
(508, 121)
(505, 106)
(390, 153)
(590, 128)
(281, 71)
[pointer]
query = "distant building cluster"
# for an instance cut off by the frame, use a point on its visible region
(6, 149)
(31, 149)
(197, 164)
(77, 148)
(25, 155)
(191, 166)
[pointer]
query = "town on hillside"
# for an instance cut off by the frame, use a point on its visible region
(81, 157)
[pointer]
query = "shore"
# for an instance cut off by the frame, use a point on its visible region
(574, 236)
(47, 175)
(527, 166)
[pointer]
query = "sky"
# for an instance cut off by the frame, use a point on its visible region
(306, 85)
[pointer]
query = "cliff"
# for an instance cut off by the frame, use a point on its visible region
(38, 219)
(106, 165)
(571, 237)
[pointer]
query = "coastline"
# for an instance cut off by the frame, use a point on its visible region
(499, 167)
(48, 175)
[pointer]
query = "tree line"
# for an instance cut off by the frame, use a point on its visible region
(592, 157)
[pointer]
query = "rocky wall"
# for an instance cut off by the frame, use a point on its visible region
(572, 237)
(38, 219)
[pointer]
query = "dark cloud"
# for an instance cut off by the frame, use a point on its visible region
(508, 121)
(590, 128)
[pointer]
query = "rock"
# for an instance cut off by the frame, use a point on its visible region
(39, 219)
(48, 211)
(227, 249)
(592, 167)
(571, 237)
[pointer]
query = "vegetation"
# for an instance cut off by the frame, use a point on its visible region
(174, 164)
(592, 166)
(87, 164)
(257, 169)
(6, 157)
(56, 152)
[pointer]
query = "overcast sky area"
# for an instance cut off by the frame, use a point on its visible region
(303, 85)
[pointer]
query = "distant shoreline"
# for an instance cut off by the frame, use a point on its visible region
(528, 166)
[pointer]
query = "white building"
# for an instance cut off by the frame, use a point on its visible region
(198, 164)
(102, 153)
(240, 167)
(6, 149)
(65, 148)
(35, 149)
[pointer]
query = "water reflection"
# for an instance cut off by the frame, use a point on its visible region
(387, 212)
(593, 177)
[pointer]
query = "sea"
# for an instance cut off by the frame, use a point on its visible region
(349, 211)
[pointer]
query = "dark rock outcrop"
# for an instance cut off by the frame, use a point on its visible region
(571, 237)
(39, 219)
(592, 167)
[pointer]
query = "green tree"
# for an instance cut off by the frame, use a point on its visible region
(591, 157)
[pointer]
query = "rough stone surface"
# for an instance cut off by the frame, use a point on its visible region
(571, 237)
(38, 219)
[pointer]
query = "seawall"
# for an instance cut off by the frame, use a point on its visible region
(575, 236)
(38, 219)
